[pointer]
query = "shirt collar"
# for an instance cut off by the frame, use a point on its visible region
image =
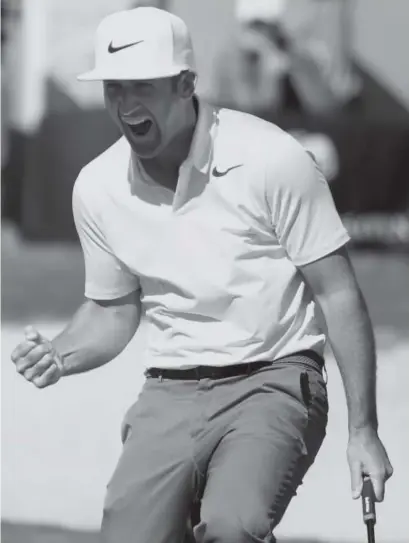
(201, 149)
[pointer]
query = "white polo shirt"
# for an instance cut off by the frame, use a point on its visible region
(216, 262)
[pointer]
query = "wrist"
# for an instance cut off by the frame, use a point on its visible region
(366, 430)
(59, 362)
(63, 371)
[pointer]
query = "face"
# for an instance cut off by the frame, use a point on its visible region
(147, 112)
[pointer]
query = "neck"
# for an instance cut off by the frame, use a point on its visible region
(176, 152)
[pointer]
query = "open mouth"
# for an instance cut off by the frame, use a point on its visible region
(140, 128)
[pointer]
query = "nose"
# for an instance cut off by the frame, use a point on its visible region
(128, 104)
(129, 107)
(129, 112)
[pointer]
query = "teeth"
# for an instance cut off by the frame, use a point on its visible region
(136, 122)
(140, 128)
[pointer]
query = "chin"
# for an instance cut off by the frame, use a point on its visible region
(144, 149)
(144, 153)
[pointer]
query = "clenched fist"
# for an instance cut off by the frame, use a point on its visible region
(37, 360)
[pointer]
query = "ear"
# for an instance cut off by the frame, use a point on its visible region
(186, 84)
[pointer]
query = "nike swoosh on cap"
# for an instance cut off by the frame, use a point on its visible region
(216, 172)
(112, 49)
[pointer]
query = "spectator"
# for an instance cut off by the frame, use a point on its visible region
(266, 72)
(288, 56)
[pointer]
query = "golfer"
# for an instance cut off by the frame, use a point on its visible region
(222, 231)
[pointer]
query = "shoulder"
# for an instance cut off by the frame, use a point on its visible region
(269, 151)
(256, 138)
(287, 156)
(263, 146)
(288, 165)
(96, 177)
(230, 120)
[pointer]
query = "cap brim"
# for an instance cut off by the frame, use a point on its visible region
(100, 75)
(93, 75)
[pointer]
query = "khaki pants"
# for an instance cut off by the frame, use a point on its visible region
(238, 446)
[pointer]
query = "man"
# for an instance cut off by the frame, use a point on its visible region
(222, 229)
(288, 56)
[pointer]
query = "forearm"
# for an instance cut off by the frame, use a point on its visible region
(95, 336)
(351, 337)
(333, 283)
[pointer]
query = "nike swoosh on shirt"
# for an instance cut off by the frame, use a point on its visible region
(217, 173)
(112, 49)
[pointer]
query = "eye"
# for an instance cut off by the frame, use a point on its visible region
(143, 88)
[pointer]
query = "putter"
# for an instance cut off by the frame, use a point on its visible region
(368, 508)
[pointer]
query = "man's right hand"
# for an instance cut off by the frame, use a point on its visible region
(37, 360)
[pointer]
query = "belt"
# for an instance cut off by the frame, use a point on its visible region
(306, 358)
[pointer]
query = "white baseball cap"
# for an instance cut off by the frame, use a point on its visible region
(270, 11)
(141, 43)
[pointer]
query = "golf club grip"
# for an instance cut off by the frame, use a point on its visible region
(368, 501)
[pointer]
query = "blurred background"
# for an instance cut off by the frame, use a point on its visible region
(332, 72)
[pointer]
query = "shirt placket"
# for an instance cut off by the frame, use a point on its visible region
(182, 187)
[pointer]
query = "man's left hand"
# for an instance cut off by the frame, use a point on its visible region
(367, 456)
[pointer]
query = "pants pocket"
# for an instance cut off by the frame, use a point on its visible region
(305, 388)
(126, 426)
(313, 389)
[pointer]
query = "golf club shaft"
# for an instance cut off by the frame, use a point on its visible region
(370, 529)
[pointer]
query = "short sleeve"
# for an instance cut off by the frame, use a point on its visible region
(106, 277)
(303, 213)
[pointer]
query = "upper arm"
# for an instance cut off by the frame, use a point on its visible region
(129, 302)
(303, 213)
(121, 314)
(106, 277)
(331, 275)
